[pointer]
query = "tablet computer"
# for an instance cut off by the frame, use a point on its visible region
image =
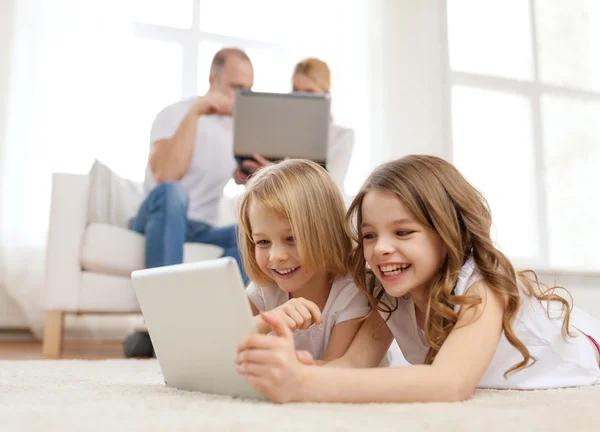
(280, 125)
(196, 315)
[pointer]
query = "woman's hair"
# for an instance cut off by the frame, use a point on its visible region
(303, 193)
(443, 201)
(315, 69)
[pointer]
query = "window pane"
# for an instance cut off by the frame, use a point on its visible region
(572, 160)
(490, 37)
(100, 102)
(272, 70)
(273, 21)
(171, 13)
(154, 82)
(569, 42)
(492, 136)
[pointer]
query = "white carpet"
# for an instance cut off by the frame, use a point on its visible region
(130, 395)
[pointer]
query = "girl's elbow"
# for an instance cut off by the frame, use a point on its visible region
(459, 392)
(455, 391)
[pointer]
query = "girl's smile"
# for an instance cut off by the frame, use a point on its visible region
(404, 255)
(277, 254)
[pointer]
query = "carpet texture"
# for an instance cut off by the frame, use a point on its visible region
(130, 395)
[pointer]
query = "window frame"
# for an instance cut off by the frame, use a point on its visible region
(190, 40)
(533, 91)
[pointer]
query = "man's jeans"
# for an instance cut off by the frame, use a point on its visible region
(162, 218)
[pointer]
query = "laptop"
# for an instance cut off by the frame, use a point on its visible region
(279, 125)
(196, 316)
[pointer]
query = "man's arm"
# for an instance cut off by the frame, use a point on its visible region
(170, 158)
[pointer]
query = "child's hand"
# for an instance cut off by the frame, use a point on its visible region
(306, 358)
(299, 314)
(270, 364)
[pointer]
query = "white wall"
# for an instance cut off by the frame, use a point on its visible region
(10, 314)
(7, 12)
(410, 75)
(584, 289)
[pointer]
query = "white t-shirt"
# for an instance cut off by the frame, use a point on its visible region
(560, 362)
(339, 152)
(212, 162)
(345, 302)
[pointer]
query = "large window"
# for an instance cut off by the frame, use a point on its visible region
(524, 79)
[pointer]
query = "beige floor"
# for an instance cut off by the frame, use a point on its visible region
(115, 395)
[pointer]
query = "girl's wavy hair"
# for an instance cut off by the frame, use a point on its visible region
(443, 201)
(304, 193)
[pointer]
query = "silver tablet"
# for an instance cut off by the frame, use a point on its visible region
(196, 316)
(279, 125)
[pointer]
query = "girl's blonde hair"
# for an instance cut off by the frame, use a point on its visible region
(443, 201)
(315, 69)
(303, 193)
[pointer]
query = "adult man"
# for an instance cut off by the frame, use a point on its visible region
(191, 161)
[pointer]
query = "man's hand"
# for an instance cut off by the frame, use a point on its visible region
(241, 177)
(213, 103)
(257, 163)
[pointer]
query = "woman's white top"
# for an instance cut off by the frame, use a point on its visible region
(345, 302)
(560, 362)
(339, 152)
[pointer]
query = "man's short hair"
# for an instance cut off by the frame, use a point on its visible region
(220, 58)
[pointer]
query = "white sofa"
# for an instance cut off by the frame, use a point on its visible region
(88, 265)
(11, 316)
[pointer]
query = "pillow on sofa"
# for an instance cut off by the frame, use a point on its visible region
(112, 200)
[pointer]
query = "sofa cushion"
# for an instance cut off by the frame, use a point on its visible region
(112, 199)
(113, 250)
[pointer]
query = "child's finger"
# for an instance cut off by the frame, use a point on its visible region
(257, 341)
(296, 317)
(278, 326)
(256, 369)
(307, 318)
(260, 383)
(290, 322)
(314, 311)
(305, 357)
(262, 356)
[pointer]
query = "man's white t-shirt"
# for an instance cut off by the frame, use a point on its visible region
(212, 162)
(345, 302)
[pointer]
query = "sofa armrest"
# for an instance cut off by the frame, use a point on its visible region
(68, 221)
